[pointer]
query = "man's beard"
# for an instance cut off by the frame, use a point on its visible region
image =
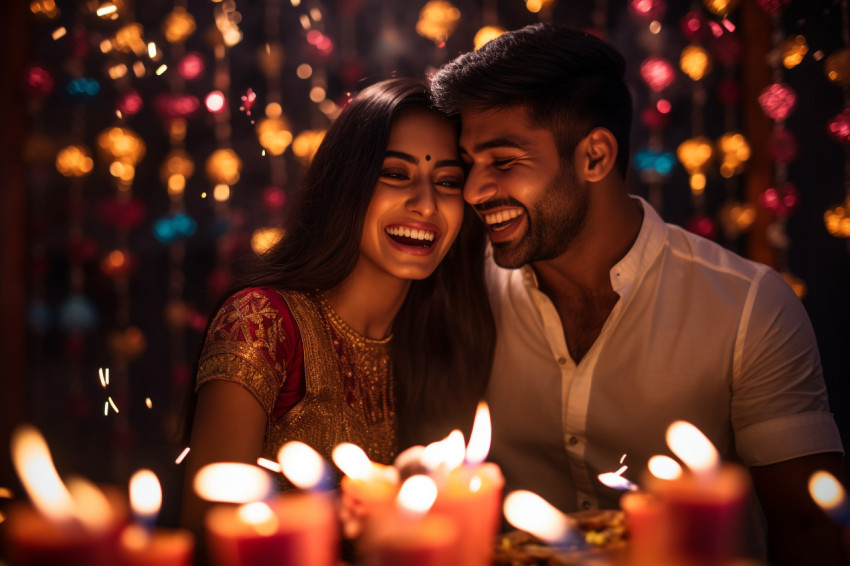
(554, 221)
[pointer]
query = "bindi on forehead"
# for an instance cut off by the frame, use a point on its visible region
(427, 157)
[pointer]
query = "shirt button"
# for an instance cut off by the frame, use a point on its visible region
(573, 441)
(562, 360)
(585, 504)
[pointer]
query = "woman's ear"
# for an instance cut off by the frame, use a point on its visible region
(597, 154)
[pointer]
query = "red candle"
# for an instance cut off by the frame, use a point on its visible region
(423, 541)
(294, 528)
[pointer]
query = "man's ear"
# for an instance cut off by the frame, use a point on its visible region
(596, 154)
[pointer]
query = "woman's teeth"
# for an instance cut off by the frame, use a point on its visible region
(411, 236)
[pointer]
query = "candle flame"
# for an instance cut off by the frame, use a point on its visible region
(531, 513)
(301, 465)
(479, 439)
(145, 494)
(35, 468)
(692, 447)
(91, 506)
(352, 460)
(448, 452)
(616, 480)
(182, 456)
(827, 492)
(417, 494)
(232, 482)
(259, 516)
(664, 467)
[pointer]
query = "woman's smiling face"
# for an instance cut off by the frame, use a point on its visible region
(417, 207)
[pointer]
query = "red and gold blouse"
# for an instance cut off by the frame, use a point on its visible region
(318, 380)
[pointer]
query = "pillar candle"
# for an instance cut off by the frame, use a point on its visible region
(138, 546)
(395, 540)
(300, 528)
(471, 495)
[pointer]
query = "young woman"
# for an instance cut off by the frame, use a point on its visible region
(369, 321)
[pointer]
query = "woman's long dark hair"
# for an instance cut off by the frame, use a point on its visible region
(444, 332)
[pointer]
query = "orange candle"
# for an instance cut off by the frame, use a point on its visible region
(367, 489)
(406, 536)
(648, 531)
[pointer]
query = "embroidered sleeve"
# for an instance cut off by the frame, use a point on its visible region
(248, 343)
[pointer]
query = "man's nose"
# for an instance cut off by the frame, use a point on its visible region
(479, 187)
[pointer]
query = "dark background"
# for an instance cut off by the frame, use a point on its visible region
(49, 368)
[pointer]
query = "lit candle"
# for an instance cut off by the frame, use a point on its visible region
(704, 506)
(368, 489)
(409, 537)
(73, 524)
(472, 492)
(266, 530)
(531, 513)
(831, 496)
(142, 545)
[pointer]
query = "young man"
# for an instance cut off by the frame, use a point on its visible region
(613, 324)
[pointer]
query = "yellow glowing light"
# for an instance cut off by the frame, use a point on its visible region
(263, 239)
(270, 465)
(106, 46)
(59, 33)
(273, 110)
(695, 62)
(46, 8)
(178, 25)
(534, 6)
(735, 151)
(161, 69)
(448, 452)
(437, 21)
(487, 34)
(306, 143)
(692, 447)
(232, 482)
(654, 27)
(104, 376)
(695, 154)
(664, 467)
(353, 461)
(221, 192)
(223, 167)
(152, 50)
(721, 8)
(329, 108)
(112, 404)
(106, 9)
(139, 69)
(417, 494)
(316, 14)
(92, 507)
(479, 438)
(837, 66)
(74, 161)
(34, 466)
(129, 39)
(837, 220)
(182, 456)
(616, 480)
(826, 490)
(6, 493)
(304, 71)
(305, 21)
(176, 185)
(301, 465)
(295, 3)
(697, 183)
(148, 403)
(794, 49)
(121, 144)
(145, 493)
(117, 71)
(260, 516)
(531, 513)
(177, 162)
(274, 135)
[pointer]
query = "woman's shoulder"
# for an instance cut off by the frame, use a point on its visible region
(252, 308)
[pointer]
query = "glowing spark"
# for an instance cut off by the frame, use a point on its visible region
(120, 115)
(102, 377)
(112, 403)
(161, 69)
(148, 402)
(305, 21)
(623, 459)
(269, 465)
(182, 456)
(107, 9)
(105, 408)
(59, 32)
(263, 153)
(152, 50)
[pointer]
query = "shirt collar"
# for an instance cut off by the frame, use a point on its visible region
(648, 244)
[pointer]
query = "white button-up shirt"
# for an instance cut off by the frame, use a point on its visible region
(698, 334)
